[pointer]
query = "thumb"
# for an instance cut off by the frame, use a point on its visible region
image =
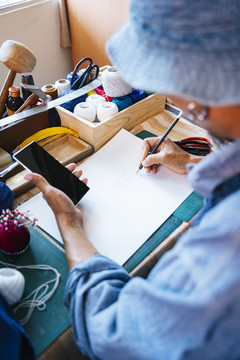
(37, 180)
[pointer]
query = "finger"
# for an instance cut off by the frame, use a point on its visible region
(85, 180)
(145, 149)
(148, 145)
(151, 160)
(78, 173)
(152, 169)
(38, 180)
(155, 168)
(148, 169)
(71, 167)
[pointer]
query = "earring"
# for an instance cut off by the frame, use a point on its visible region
(197, 112)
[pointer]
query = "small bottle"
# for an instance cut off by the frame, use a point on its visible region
(14, 100)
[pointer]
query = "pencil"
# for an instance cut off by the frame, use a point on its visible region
(162, 138)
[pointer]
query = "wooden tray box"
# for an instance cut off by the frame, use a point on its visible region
(98, 133)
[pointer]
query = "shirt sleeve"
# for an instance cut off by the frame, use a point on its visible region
(92, 292)
(185, 309)
(132, 318)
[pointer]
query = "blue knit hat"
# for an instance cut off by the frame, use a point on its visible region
(187, 48)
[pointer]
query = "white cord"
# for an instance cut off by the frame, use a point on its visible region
(38, 297)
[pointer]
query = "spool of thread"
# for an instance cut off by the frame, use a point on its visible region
(85, 110)
(62, 85)
(108, 98)
(93, 92)
(106, 110)
(12, 285)
(51, 90)
(137, 95)
(99, 90)
(122, 102)
(76, 76)
(69, 76)
(26, 78)
(113, 84)
(70, 105)
(95, 100)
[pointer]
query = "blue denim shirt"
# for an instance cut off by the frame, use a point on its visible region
(189, 306)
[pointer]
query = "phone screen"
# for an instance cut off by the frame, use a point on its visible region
(38, 160)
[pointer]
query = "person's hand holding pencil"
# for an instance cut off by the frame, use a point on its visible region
(168, 154)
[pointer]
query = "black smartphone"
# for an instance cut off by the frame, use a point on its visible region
(36, 159)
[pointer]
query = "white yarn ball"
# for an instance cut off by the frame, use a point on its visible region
(106, 110)
(85, 110)
(113, 84)
(95, 100)
(12, 285)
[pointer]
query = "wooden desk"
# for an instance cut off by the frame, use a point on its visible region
(64, 347)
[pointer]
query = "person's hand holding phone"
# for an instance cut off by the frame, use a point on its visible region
(59, 202)
(36, 159)
(68, 217)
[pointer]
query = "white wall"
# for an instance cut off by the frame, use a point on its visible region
(37, 26)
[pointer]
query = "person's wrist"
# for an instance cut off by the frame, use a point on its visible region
(69, 221)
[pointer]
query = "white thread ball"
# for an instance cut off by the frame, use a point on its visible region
(12, 283)
(113, 84)
(85, 110)
(95, 100)
(106, 110)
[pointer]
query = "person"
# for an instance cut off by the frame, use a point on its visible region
(189, 305)
(15, 343)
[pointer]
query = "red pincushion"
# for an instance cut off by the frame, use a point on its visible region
(14, 238)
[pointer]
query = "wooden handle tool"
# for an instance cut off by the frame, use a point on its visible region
(31, 100)
(19, 59)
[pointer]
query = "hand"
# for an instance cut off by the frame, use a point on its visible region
(68, 216)
(167, 154)
(60, 203)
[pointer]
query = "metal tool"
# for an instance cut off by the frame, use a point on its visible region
(30, 101)
(37, 91)
(8, 169)
(89, 74)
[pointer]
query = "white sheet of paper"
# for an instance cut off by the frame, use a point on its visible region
(122, 208)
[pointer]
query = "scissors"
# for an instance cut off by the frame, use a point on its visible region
(195, 145)
(89, 74)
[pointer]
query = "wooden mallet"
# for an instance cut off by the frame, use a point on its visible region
(19, 59)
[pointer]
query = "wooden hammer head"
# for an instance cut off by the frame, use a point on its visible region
(17, 57)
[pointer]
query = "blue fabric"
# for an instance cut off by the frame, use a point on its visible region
(14, 342)
(189, 306)
(6, 197)
(181, 47)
